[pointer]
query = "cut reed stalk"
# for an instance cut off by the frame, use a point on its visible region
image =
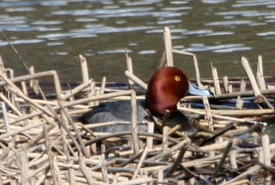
(168, 46)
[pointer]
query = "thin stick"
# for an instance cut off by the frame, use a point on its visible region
(219, 133)
(134, 122)
(177, 161)
(61, 122)
(7, 124)
(2, 97)
(82, 146)
(22, 61)
(183, 143)
(76, 90)
(136, 80)
(103, 169)
(162, 59)
(132, 159)
(142, 158)
(120, 134)
(227, 149)
(222, 117)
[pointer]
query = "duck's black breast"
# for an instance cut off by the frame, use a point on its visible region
(119, 111)
(178, 118)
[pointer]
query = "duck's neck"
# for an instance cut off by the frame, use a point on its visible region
(158, 104)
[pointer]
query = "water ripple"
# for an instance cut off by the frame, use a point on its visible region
(228, 23)
(20, 9)
(15, 42)
(223, 48)
(266, 33)
(113, 51)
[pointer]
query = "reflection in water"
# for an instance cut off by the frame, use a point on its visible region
(51, 34)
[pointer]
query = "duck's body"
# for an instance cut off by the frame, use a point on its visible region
(165, 89)
(118, 111)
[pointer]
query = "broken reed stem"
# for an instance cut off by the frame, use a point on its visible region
(165, 138)
(103, 84)
(34, 84)
(208, 112)
(84, 69)
(233, 157)
(120, 134)
(196, 65)
(176, 147)
(225, 84)
(244, 112)
(129, 67)
(266, 149)
(221, 117)
(136, 80)
(254, 85)
(39, 75)
(162, 60)
(11, 105)
(216, 80)
(6, 122)
(50, 157)
(82, 146)
(149, 140)
(260, 73)
(257, 93)
(76, 90)
(86, 172)
(168, 46)
(134, 122)
(24, 167)
(62, 123)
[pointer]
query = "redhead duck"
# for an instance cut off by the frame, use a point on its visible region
(165, 89)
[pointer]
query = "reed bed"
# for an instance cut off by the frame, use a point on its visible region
(43, 143)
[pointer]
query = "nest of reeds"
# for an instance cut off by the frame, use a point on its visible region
(42, 142)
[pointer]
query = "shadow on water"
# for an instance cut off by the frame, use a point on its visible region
(51, 35)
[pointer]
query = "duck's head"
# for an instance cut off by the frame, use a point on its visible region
(166, 87)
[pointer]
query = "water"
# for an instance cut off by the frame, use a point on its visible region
(51, 35)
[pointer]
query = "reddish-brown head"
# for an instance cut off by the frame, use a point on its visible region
(166, 87)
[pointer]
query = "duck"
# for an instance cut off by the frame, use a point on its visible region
(166, 87)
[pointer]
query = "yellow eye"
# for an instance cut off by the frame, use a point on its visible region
(177, 78)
